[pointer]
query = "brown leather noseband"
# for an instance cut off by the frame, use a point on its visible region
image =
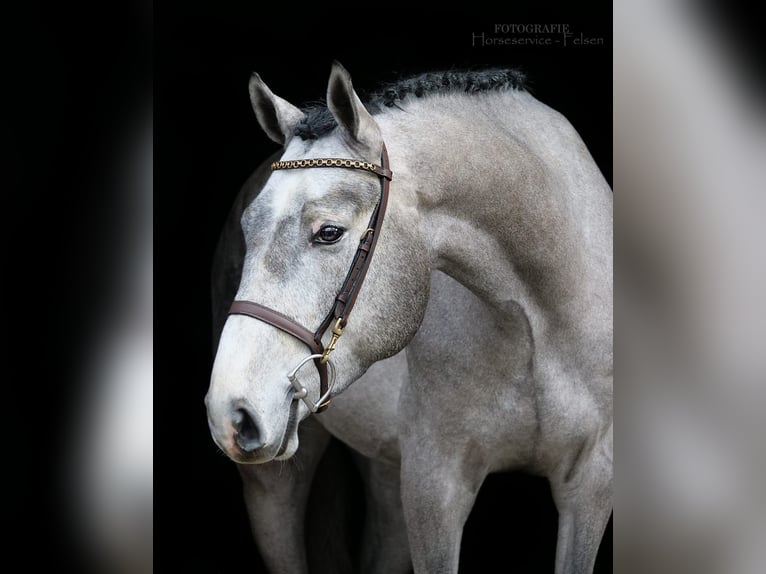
(346, 297)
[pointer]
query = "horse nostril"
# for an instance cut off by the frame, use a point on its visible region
(247, 436)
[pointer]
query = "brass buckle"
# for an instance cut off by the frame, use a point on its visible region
(337, 331)
(366, 233)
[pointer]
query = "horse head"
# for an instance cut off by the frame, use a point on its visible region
(302, 235)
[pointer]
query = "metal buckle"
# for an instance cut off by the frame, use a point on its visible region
(337, 331)
(302, 393)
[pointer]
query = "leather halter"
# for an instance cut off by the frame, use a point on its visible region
(346, 297)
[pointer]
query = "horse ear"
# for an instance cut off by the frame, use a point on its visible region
(277, 117)
(347, 109)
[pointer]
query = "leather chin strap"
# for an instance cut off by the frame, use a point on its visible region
(346, 297)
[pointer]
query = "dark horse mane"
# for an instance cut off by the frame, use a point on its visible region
(319, 121)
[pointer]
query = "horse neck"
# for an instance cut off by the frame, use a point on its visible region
(512, 205)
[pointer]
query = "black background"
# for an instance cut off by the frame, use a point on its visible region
(206, 144)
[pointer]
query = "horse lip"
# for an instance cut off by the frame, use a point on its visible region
(241, 457)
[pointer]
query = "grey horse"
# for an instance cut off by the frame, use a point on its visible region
(496, 190)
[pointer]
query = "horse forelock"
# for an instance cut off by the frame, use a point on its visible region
(318, 121)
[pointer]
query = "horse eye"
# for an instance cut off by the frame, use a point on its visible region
(328, 234)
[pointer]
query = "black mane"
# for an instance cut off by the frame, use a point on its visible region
(319, 121)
